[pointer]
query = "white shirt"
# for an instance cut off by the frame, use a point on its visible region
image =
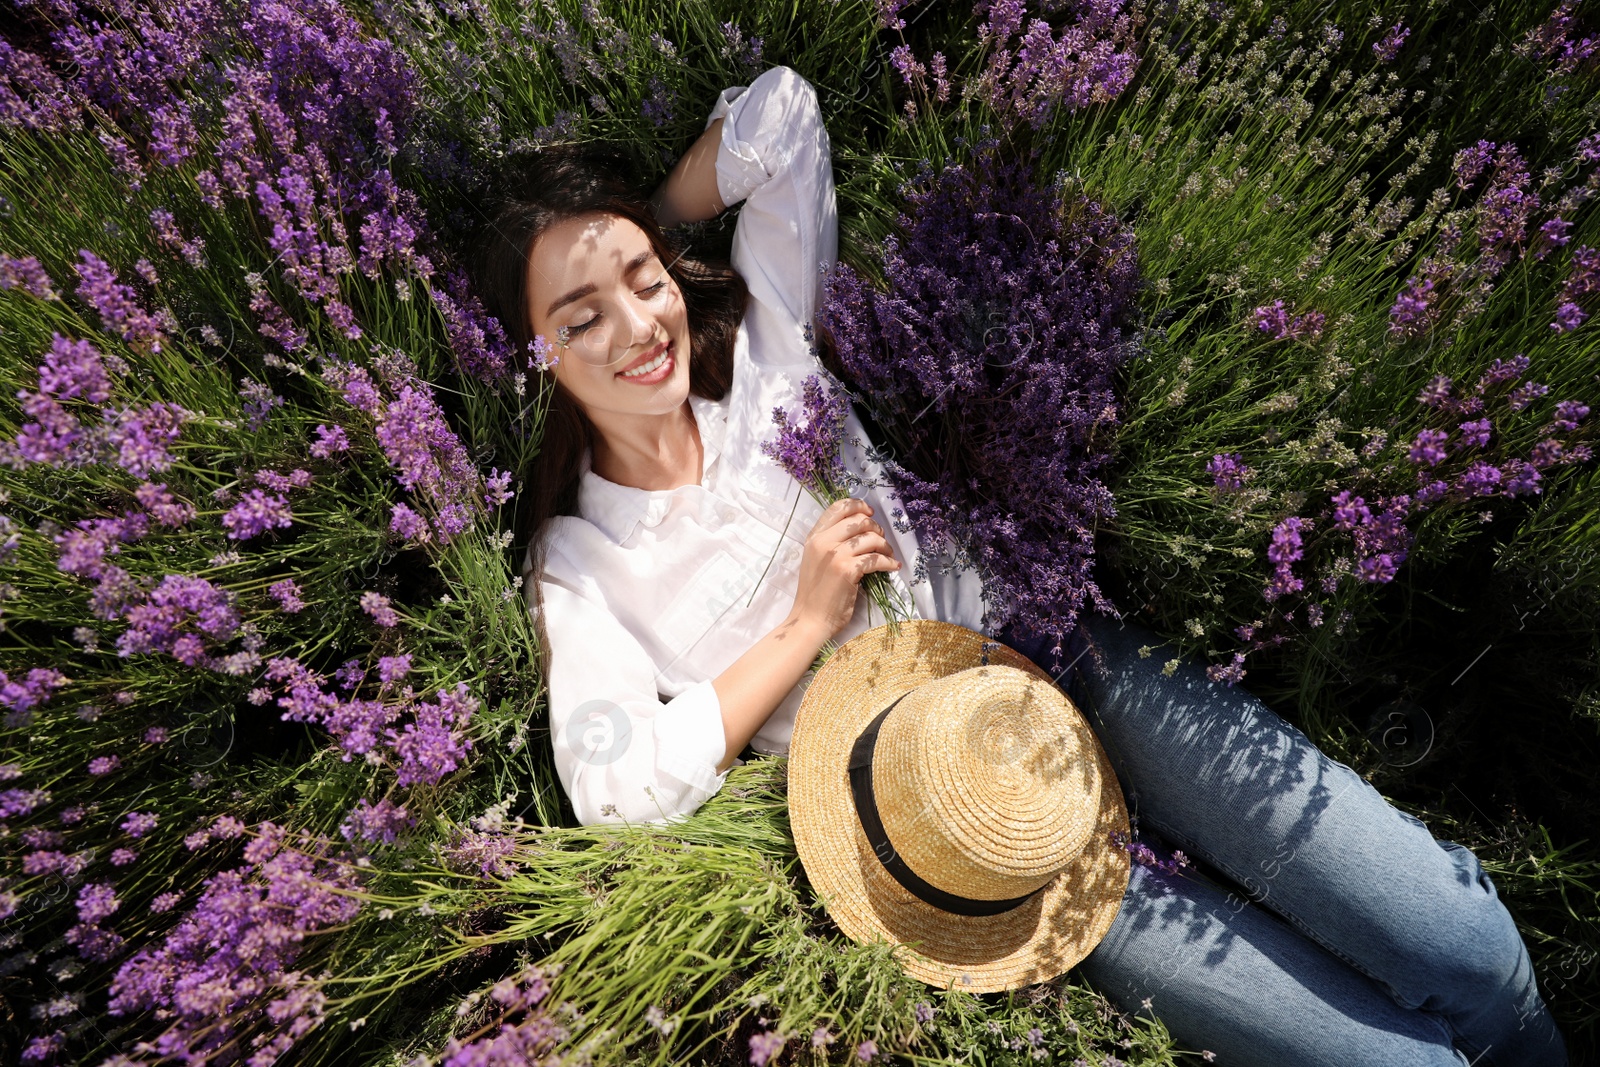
(651, 594)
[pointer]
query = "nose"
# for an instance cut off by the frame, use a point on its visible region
(641, 324)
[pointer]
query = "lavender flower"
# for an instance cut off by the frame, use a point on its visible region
(287, 593)
(231, 961)
(1569, 316)
(255, 514)
(1228, 471)
(1471, 162)
(104, 765)
(1092, 61)
(115, 303)
(329, 440)
(809, 449)
(139, 823)
(989, 364)
(392, 669)
(488, 852)
(377, 605)
(1429, 448)
(1277, 323)
(26, 274)
(74, 370)
(162, 506)
(433, 745)
(259, 400)
(765, 1046)
(382, 821)
(1525, 394)
(1389, 47)
(1475, 434)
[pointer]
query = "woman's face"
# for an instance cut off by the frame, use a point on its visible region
(599, 277)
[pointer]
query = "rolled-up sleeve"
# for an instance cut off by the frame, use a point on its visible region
(623, 754)
(775, 156)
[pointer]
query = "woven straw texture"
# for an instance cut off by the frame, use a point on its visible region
(990, 822)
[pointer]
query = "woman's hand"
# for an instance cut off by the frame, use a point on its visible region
(843, 547)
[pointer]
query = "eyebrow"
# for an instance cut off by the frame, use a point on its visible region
(584, 290)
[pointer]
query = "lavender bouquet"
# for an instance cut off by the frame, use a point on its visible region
(810, 451)
(988, 367)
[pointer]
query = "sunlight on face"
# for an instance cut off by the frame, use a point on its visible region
(599, 277)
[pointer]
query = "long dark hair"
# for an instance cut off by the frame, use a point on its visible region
(548, 187)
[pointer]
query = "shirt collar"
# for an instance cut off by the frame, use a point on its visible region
(618, 509)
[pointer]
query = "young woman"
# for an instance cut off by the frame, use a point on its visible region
(683, 583)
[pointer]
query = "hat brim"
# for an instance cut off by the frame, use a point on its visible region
(1035, 942)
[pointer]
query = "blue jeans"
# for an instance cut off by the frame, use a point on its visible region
(1351, 936)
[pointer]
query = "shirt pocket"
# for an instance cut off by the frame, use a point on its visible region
(714, 594)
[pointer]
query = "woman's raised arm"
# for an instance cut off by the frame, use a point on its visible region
(689, 193)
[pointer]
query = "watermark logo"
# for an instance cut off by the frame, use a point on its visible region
(598, 732)
(1402, 732)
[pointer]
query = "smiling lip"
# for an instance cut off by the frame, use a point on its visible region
(646, 358)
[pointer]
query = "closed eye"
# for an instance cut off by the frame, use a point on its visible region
(652, 291)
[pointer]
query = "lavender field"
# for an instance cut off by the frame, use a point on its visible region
(1271, 325)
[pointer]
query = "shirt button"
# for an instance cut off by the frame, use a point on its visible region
(791, 554)
(727, 514)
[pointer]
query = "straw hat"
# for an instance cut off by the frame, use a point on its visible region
(985, 791)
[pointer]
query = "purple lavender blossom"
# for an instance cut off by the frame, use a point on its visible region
(104, 765)
(1480, 479)
(21, 697)
(392, 669)
(498, 488)
(255, 514)
(989, 365)
(487, 851)
(1389, 47)
(1501, 371)
(299, 478)
(1429, 448)
(1412, 313)
(115, 303)
(26, 274)
(287, 593)
(1228, 471)
(139, 823)
(433, 745)
(329, 441)
(1379, 568)
(141, 436)
(232, 957)
(1522, 479)
(74, 370)
(1350, 512)
(259, 400)
(159, 624)
(408, 524)
(1569, 316)
(18, 802)
(1475, 434)
(1525, 394)
(382, 821)
(1092, 61)
(807, 445)
(377, 605)
(1273, 319)
(162, 506)
(1569, 413)
(769, 1043)
(97, 901)
(1471, 162)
